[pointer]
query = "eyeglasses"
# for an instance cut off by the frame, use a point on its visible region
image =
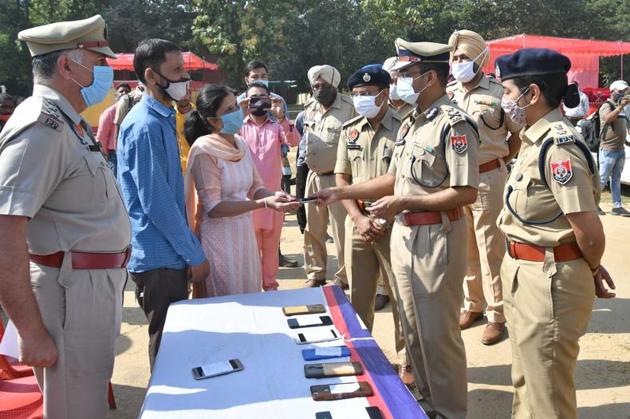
(363, 94)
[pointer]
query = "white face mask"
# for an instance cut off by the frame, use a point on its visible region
(366, 105)
(177, 90)
(465, 72)
(406, 91)
(393, 92)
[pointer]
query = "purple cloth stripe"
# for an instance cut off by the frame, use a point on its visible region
(398, 399)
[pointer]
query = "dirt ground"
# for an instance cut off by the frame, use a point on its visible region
(603, 368)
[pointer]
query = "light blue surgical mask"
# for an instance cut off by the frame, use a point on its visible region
(103, 79)
(232, 122)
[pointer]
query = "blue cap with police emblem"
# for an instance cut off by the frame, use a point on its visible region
(531, 62)
(370, 75)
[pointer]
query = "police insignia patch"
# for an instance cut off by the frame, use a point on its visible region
(404, 130)
(353, 135)
(562, 171)
(565, 139)
(432, 113)
(459, 143)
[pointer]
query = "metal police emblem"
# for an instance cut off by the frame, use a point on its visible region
(366, 77)
(459, 143)
(562, 171)
(432, 113)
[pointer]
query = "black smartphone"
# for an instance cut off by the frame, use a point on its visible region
(370, 412)
(299, 322)
(308, 199)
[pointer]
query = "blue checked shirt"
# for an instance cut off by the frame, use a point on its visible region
(152, 186)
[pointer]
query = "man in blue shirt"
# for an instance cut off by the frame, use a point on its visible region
(165, 251)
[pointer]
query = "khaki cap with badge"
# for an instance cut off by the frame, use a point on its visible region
(90, 34)
(410, 53)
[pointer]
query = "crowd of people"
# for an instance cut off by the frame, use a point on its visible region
(410, 171)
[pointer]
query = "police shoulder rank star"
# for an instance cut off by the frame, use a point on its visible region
(562, 171)
(459, 143)
(432, 113)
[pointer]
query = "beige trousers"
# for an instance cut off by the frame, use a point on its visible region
(547, 312)
(365, 264)
(82, 311)
(317, 217)
(429, 263)
(486, 247)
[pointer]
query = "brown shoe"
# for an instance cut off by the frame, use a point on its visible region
(313, 283)
(493, 333)
(467, 318)
(406, 375)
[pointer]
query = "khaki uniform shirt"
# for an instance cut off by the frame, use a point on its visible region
(573, 187)
(403, 111)
(435, 150)
(364, 153)
(483, 103)
(322, 130)
(614, 135)
(52, 172)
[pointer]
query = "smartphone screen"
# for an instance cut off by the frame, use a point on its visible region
(370, 412)
(309, 321)
(316, 335)
(217, 368)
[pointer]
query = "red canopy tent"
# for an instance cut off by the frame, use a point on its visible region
(191, 62)
(583, 53)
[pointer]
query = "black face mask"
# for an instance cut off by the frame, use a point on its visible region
(259, 106)
(325, 95)
(616, 97)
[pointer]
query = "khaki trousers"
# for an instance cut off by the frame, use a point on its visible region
(429, 263)
(82, 310)
(547, 312)
(317, 218)
(365, 264)
(486, 247)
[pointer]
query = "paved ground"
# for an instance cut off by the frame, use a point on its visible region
(603, 371)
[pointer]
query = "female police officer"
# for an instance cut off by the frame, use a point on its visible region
(555, 239)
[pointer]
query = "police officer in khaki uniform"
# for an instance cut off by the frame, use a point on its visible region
(324, 116)
(480, 96)
(552, 270)
(60, 208)
(401, 107)
(365, 150)
(433, 174)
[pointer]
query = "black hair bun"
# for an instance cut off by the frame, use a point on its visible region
(571, 96)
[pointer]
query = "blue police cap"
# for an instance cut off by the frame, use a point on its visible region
(370, 75)
(531, 62)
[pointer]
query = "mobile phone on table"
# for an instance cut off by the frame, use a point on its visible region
(310, 321)
(315, 354)
(306, 309)
(332, 369)
(369, 412)
(341, 391)
(323, 334)
(216, 369)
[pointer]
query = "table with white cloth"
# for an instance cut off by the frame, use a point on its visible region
(254, 329)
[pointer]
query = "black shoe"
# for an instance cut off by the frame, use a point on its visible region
(286, 262)
(600, 211)
(340, 284)
(620, 211)
(313, 283)
(380, 302)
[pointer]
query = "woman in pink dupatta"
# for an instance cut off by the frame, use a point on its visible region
(223, 187)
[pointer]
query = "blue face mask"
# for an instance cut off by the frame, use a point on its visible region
(232, 122)
(97, 91)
